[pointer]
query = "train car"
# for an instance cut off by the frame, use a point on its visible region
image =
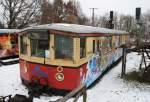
(64, 56)
(8, 43)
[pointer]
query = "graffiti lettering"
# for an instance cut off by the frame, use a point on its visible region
(38, 72)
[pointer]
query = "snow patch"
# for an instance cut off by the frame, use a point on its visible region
(111, 88)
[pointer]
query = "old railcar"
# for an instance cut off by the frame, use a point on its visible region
(64, 56)
(8, 43)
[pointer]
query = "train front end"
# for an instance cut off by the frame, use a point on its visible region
(51, 59)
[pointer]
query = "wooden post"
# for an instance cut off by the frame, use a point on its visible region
(144, 57)
(146, 67)
(140, 67)
(74, 92)
(84, 94)
(83, 91)
(77, 97)
(123, 63)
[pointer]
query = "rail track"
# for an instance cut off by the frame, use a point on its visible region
(9, 60)
(76, 93)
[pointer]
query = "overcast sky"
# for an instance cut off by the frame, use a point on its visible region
(120, 6)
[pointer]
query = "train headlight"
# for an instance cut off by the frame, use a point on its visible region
(59, 76)
(59, 69)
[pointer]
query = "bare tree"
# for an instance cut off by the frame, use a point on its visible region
(126, 22)
(71, 13)
(103, 21)
(1, 25)
(46, 12)
(19, 13)
(62, 12)
(58, 11)
(147, 24)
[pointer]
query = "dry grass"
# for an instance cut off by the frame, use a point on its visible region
(138, 76)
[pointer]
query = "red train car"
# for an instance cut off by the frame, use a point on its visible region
(64, 56)
(8, 43)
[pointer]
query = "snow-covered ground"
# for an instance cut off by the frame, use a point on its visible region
(111, 88)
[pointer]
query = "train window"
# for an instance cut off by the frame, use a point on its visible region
(41, 35)
(14, 41)
(117, 43)
(1, 47)
(120, 42)
(123, 39)
(23, 44)
(39, 43)
(63, 47)
(39, 47)
(106, 44)
(98, 46)
(82, 47)
(110, 41)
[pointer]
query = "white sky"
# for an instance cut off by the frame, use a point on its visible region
(120, 6)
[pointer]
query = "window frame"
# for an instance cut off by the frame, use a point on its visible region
(23, 45)
(106, 44)
(85, 48)
(37, 45)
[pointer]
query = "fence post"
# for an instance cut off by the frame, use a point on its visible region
(123, 62)
(84, 94)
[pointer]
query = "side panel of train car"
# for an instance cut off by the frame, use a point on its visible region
(8, 43)
(61, 61)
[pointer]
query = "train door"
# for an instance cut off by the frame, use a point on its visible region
(94, 64)
(97, 52)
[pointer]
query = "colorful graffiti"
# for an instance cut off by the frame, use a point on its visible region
(93, 70)
(101, 60)
(8, 45)
(38, 72)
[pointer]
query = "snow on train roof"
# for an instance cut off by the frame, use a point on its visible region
(8, 31)
(75, 28)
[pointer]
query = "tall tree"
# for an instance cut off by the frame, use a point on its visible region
(126, 22)
(147, 22)
(19, 13)
(46, 12)
(61, 12)
(71, 15)
(1, 25)
(58, 11)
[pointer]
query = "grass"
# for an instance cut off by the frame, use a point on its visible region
(138, 76)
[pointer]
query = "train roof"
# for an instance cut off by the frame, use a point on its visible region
(8, 31)
(75, 28)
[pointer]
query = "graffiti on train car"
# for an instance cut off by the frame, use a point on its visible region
(102, 59)
(8, 45)
(38, 72)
